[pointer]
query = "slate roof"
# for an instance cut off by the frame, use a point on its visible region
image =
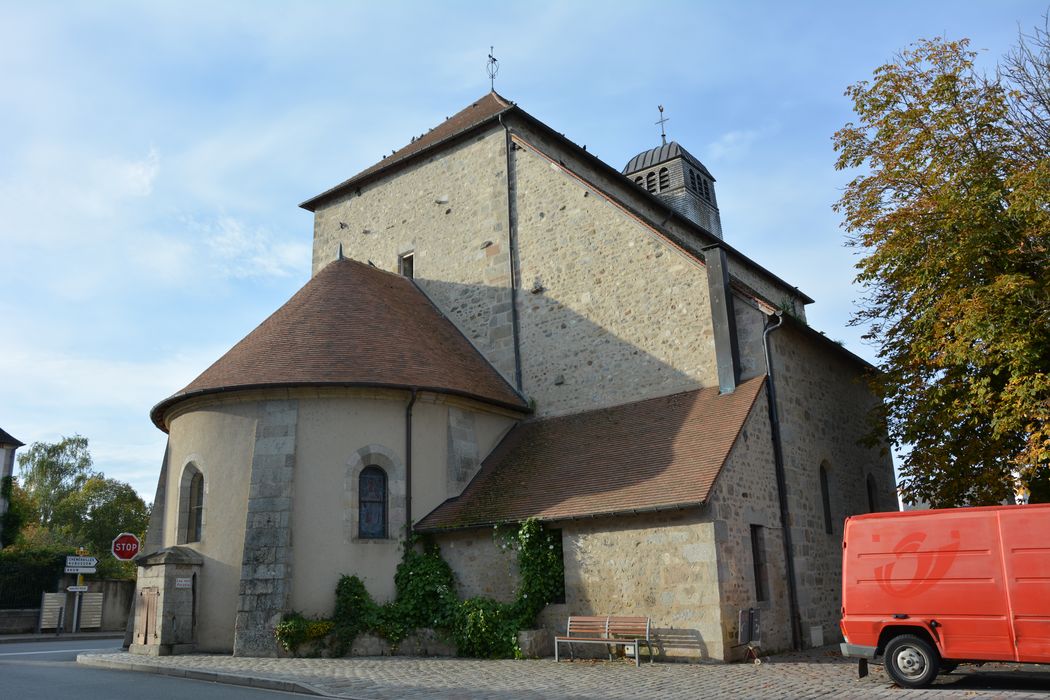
(7, 440)
(654, 454)
(473, 115)
(662, 154)
(354, 325)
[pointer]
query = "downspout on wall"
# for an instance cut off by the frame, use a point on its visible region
(408, 462)
(778, 462)
(512, 255)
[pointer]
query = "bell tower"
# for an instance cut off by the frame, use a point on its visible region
(676, 176)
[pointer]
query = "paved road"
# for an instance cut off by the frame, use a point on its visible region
(48, 671)
(813, 674)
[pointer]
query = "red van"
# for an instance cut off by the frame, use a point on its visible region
(929, 589)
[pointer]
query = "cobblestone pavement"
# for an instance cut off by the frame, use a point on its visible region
(812, 674)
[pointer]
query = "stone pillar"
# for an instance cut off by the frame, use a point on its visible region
(266, 570)
(166, 602)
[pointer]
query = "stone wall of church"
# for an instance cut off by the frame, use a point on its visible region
(823, 404)
(609, 312)
(219, 441)
(745, 495)
(749, 273)
(661, 565)
(450, 210)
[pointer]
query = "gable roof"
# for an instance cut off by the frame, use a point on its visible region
(482, 114)
(662, 154)
(477, 113)
(354, 325)
(7, 440)
(655, 454)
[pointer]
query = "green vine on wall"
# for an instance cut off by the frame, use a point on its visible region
(426, 598)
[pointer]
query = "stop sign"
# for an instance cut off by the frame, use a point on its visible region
(125, 546)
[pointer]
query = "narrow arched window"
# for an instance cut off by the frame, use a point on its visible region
(650, 182)
(825, 497)
(639, 181)
(371, 501)
(190, 525)
(873, 498)
(692, 180)
(665, 179)
(707, 189)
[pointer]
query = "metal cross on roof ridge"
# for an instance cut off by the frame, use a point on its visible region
(492, 68)
(661, 121)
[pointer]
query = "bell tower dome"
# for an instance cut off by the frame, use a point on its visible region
(676, 176)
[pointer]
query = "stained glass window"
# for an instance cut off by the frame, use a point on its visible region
(371, 498)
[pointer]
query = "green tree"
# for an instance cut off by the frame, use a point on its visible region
(52, 471)
(951, 217)
(99, 511)
(20, 510)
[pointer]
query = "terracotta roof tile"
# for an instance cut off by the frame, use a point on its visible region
(647, 455)
(474, 114)
(354, 325)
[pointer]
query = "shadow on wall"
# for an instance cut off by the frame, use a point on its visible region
(570, 364)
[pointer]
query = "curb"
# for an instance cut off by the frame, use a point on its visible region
(65, 637)
(209, 676)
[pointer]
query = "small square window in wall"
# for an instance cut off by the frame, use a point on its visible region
(405, 263)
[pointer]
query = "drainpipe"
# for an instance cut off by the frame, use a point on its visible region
(408, 464)
(778, 461)
(512, 243)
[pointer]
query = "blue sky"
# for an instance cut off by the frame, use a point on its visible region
(152, 156)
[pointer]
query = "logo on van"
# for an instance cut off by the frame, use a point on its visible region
(930, 565)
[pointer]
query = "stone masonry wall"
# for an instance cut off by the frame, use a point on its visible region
(748, 272)
(609, 313)
(823, 404)
(266, 572)
(451, 211)
(745, 494)
(662, 565)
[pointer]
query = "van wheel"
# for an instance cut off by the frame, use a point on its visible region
(911, 661)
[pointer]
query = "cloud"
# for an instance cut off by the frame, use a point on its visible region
(736, 144)
(241, 251)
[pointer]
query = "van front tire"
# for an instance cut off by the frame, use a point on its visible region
(911, 661)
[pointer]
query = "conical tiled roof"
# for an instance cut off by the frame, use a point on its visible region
(354, 325)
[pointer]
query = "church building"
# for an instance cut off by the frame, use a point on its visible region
(501, 326)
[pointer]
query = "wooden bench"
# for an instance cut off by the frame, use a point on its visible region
(610, 630)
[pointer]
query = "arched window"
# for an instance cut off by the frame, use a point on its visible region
(692, 180)
(707, 189)
(825, 497)
(650, 182)
(665, 179)
(873, 498)
(191, 505)
(371, 503)
(639, 181)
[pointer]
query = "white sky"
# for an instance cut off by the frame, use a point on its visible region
(152, 156)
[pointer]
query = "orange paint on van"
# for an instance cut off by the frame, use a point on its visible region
(974, 583)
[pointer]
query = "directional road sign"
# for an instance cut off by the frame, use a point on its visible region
(80, 561)
(80, 570)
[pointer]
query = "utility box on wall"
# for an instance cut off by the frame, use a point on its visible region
(166, 602)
